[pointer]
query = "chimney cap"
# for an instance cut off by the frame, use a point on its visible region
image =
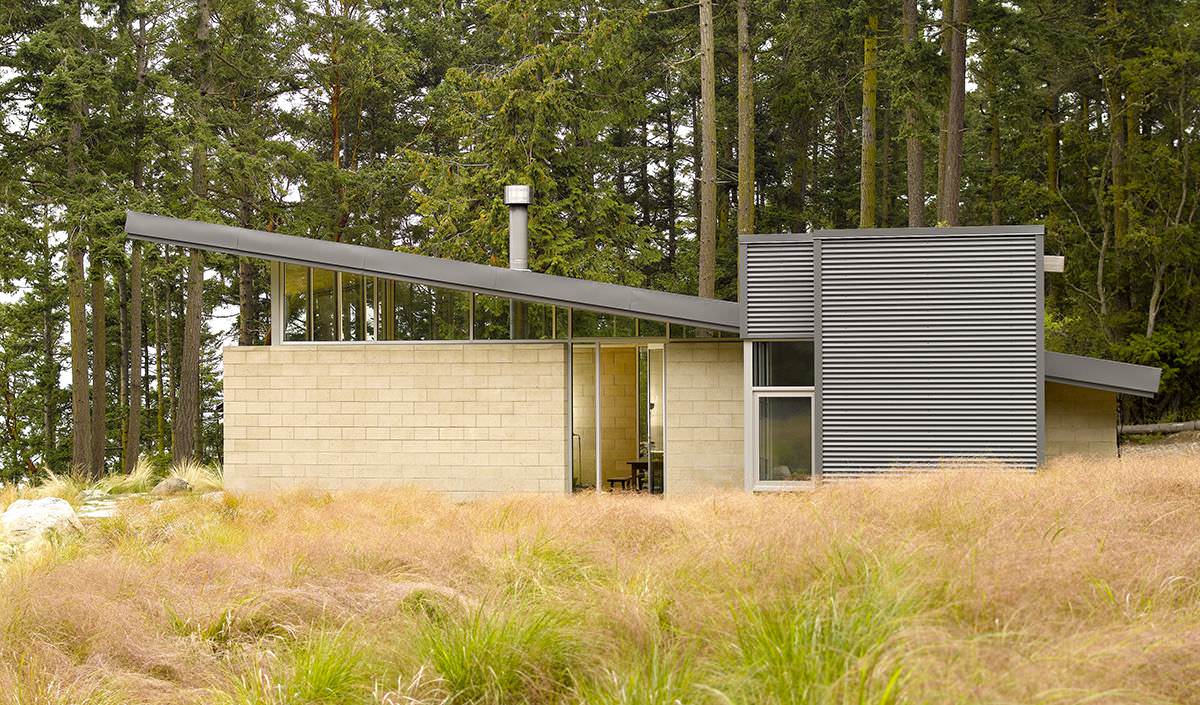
(518, 195)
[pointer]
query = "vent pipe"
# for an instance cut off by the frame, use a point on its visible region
(517, 198)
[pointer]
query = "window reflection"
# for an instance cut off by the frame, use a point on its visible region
(451, 314)
(784, 438)
(353, 307)
(324, 306)
(296, 299)
(784, 364)
(539, 322)
(491, 318)
(590, 324)
(412, 311)
(370, 308)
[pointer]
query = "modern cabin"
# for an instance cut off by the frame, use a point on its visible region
(849, 353)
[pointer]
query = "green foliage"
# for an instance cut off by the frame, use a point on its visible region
(660, 676)
(828, 643)
(396, 127)
(501, 655)
(321, 668)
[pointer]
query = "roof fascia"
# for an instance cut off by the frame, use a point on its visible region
(433, 271)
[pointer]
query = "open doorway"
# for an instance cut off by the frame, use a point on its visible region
(617, 417)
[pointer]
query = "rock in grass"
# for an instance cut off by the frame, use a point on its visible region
(171, 485)
(27, 520)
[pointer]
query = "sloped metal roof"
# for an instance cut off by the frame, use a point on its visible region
(435, 271)
(1108, 375)
(1075, 370)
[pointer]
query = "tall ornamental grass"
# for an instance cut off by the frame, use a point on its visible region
(1080, 584)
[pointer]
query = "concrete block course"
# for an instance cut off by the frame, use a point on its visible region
(469, 419)
(704, 417)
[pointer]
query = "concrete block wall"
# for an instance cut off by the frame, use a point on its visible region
(704, 417)
(1080, 421)
(468, 419)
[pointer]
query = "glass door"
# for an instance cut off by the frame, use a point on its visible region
(650, 418)
(585, 361)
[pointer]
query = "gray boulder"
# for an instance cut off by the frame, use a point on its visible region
(29, 520)
(171, 485)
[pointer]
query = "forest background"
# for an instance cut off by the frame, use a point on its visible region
(653, 133)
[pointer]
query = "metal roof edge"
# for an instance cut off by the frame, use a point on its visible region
(1097, 373)
(434, 271)
(972, 230)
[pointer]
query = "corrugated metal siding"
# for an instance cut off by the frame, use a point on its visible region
(779, 289)
(929, 352)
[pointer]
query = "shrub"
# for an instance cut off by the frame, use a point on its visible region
(500, 656)
(202, 478)
(142, 479)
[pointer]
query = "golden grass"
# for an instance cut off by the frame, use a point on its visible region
(1078, 584)
(202, 478)
(142, 479)
(68, 485)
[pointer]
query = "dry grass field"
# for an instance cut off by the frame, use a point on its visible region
(1076, 585)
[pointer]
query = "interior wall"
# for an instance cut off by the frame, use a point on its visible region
(618, 411)
(656, 392)
(583, 413)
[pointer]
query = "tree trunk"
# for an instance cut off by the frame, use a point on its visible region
(885, 166)
(123, 373)
(948, 206)
(867, 194)
(994, 146)
(1053, 139)
(914, 151)
(99, 367)
(1116, 124)
(137, 356)
(943, 132)
(187, 411)
(174, 349)
(81, 417)
(1155, 297)
(672, 206)
(50, 367)
(643, 185)
(994, 155)
(160, 407)
(183, 429)
(799, 182)
(745, 122)
(707, 260)
(133, 429)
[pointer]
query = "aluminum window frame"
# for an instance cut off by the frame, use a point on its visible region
(382, 304)
(752, 418)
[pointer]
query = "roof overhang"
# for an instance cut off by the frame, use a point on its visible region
(1120, 377)
(435, 271)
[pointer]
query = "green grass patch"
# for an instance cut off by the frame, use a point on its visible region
(501, 655)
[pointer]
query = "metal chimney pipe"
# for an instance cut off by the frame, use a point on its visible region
(518, 197)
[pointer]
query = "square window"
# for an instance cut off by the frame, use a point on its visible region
(784, 364)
